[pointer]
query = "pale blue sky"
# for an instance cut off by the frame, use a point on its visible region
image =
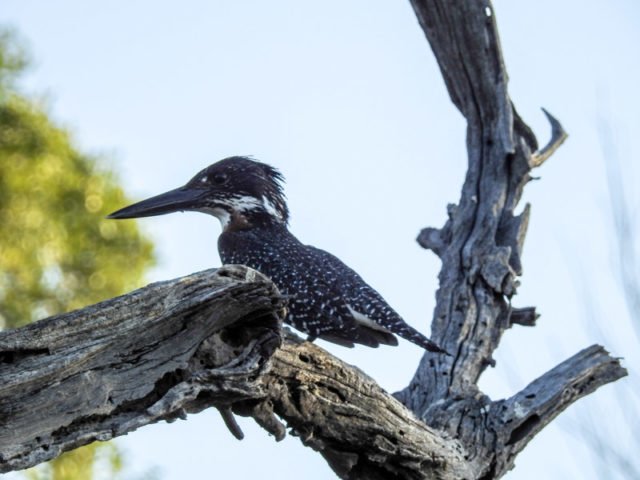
(346, 99)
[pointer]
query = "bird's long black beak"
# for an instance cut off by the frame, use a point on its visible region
(180, 199)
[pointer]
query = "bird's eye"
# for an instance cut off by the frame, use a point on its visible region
(220, 178)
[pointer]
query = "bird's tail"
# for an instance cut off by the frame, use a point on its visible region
(414, 336)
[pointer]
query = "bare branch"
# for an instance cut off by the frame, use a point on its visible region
(432, 239)
(230, 422)
(524, 316)
(558, 136)
(361, 430)
(207, 340)
(154, 354)
(481, 257)
(530, 410)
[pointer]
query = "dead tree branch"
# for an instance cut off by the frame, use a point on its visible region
(480, 247)
(155, 354)
(207, 340)
(211, 340)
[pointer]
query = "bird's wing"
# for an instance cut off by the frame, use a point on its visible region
(368, 309)
(351, 298)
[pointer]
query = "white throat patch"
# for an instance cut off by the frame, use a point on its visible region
(236, 203)
(220, 213)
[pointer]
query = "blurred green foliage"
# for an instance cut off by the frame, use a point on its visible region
(13, 59)
(57, 250)
(97, 460)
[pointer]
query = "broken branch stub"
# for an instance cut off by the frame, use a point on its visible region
(160, 352)
(212, 339)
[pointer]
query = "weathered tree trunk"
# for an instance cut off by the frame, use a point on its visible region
(480, 247)
(178, 347)
(214, 339)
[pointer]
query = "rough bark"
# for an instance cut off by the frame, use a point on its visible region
(154, 354)
(480, 247)
(214, 339)
(207, 340)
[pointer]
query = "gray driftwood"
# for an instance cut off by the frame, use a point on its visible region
(214, 339)
(480, 247)
(207, 340)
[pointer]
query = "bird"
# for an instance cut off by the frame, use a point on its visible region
(326, 299)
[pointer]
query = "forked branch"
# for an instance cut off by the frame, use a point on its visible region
(207, 340)
(481, 247)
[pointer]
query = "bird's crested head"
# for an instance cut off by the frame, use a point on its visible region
(237, 190)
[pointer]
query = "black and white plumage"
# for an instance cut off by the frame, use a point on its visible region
(327, 299)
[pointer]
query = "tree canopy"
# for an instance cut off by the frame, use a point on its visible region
(57, 250)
